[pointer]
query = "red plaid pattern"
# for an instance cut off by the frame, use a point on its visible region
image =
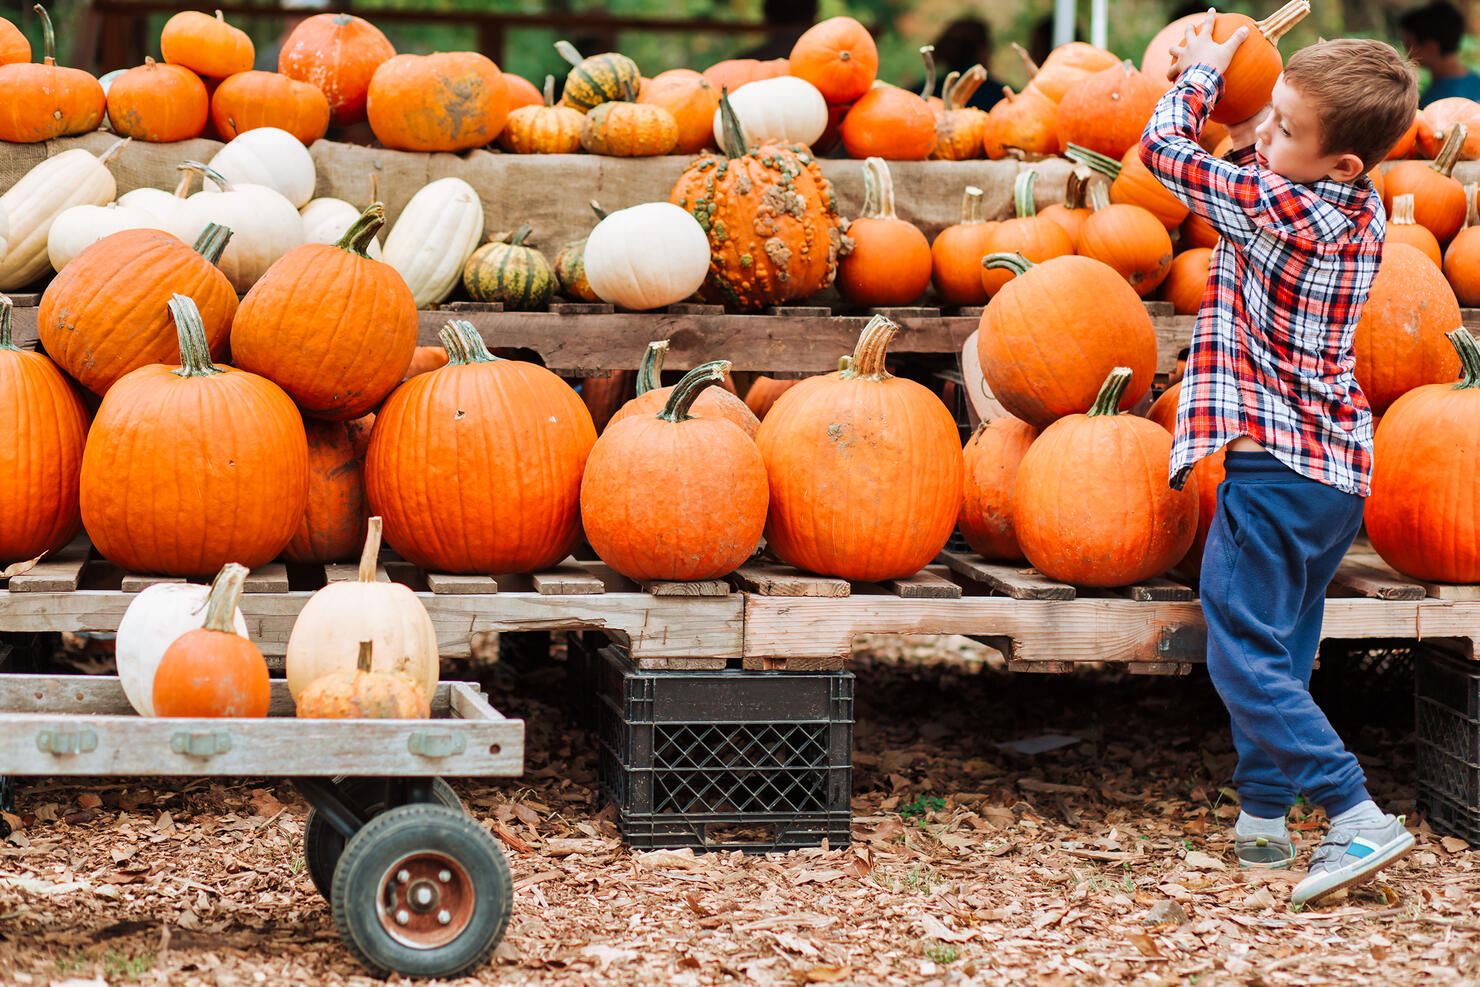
(1272, 355)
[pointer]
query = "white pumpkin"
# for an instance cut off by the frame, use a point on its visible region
(325, 220)
(647, 256)
(326, 635)
(106, 81)
(4, 233)
(80, 227)
(433, 238)
(167, 210)
(152, 622)
(784, 109)
(264, 226)
(72, 178)
(271, 157)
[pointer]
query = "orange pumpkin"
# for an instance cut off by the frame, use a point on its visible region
(520, 91)
(1156, 60)
(961, 130)
(1187, 280)
(1131, 182)
(691, 100)
(14, 46)
(712, 402)
(1421, 514)
(835, 449)
(1091, 502)
(1198, 232)
(362, 694)
(329, 325)
(206, 45)
(187, 469)
(1438, 198)
(891, 123)
(441, 427)
(448, 101)
(1025, 122)
(675, 495)
(211, 671)
(890, 263)
(108, 312)
(1065, 67)
(957, 252)
(40, 451)
(764, 392)
(46, 101)
(339, 54)
(1462, 258)
(1207, 471)
(1107, 111)
(159, 103)
(1073, 211)
(1405, 146)
(732, 73)
(333, 525)
(1400, 342)
(1257, 64)
(1031, 236)
(1129, 239)
(543, 129)
(1049, 337)
(628, 130)
(1436, 120)
(1402, 228)
(425, 359)
(839, 57)
(991, 459)
(249, 100)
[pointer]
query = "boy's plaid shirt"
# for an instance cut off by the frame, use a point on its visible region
(1272, 354)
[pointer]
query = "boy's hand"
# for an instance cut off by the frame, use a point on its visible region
(1198, 46)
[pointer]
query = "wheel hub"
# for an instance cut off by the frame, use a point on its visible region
(426, 900)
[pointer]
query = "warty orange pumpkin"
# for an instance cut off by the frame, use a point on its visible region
(991, 459)
(447, 101)
(212, 671)
(44, 101)
(890, 263)
(709, 402)
(1400, 342)
(629, 130)
(957, 251)
(339, 54)
(961, 130)
(363, 694)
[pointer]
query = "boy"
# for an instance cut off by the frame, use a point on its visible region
(1270, 376)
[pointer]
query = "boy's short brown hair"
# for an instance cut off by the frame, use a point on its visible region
(1365, 94)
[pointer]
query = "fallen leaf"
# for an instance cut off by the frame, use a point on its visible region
(509, 838)
(1261, 899)
(527, 815)
(886, 831)
(87, 800)
(1198, 860)
(264, 803)
(934, 928)
(1165, 913)
(664, 859)
(1453, 844)
(998, 816)
(1145, 945)
(828, 974)
(605, 955)
(21, 567)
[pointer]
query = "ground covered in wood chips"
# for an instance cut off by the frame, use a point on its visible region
(1105, 860)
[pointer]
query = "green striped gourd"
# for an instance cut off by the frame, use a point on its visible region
(510, 272)
(598, 79)
(570, 267)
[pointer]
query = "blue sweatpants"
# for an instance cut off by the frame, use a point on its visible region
(1274, 545)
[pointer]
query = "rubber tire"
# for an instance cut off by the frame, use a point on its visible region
(390, 836)
(322, 844)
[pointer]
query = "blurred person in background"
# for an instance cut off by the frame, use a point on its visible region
(965, 42)
(1432, 34)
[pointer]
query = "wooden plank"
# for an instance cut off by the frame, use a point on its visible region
(967, 311)
(1159, 667)
(1453, 623)
(1375, 580)
(695, 308)
(757, 663)
(799, 311)
(1458, 592)
(899, 312)
(442, 582)
(1018, 583)
(697, 587)
(1040, 667)
(25, 299)
(581, 308)
(570, 578)
(270, 578)
(134, 582)
(472, 306)
(58, 572)
(1159, 309)
(783, 580)
(1160, 588)
(681, 664)
(927, 584)
(346, 572)
(1173, 335)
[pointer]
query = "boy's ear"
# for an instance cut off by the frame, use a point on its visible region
(1348, 168)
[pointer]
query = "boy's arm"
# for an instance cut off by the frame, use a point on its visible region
(1228, 193)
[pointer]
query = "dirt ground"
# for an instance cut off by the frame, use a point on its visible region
(1102, 861)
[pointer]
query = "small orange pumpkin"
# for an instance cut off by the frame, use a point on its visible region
(1399, 342)
(1438, 198)
(543, 129)
(1187, 280)
(1462, 258)
(1402, 228)
(1405, 146)
(732, 73)
(961, 130)
(1029, 235)
(520, 91)
(211, 671)
(629, 130)
(159, 103)
(333, 525)
(711, 402)
(253, 99)
(1250, 77)
(362, 694)
(1129, 239)
(1107, 111)
(425, 359)
(890, 263)
(956, 255)
(14, 46)
(839, 57)
(1435, 121)
(991, 458)
(206, 45)
(1131, 182)
(693, 102)
(1025, 123)
(1198, 232)
(764, 392)
(891, 123)
(1073, 211)
(339, 54)
(447, 101)
(1065, 67)
(46, 101)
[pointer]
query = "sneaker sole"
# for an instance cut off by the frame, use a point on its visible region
(1385, 855)
(1285, 864)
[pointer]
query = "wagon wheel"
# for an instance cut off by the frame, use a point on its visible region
(423, 891)
(323, 844)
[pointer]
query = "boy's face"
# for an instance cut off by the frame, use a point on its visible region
(1288, 142)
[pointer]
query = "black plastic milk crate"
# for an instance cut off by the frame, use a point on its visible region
(1447, 700)
(757, 761)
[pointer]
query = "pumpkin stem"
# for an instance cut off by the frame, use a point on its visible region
(927, 52)
(6, 343)
(195, 355)
(1008, 94)
(549, 91)
(1277, 25)
(107, 156)
(650, 370)
(729, 125)
(364, 659)
(1014, 262)
(1102, 163)
(568, 52)
(1471, 217)
(845, 363)
(182, 187)
(456, 355)
(878, 190)
(596, 208)
(477, 350)
(1097, 196)
(1107, 402)
(1028, 63)
(1454, 142)
(947, 88)
(1077, 187)
(873, 344)
(211, 243)
(971, 206)
(965, 87)
(226, 593)
(206, 172)
(48, 36)
(371, 552)
(374, 187)
(687, 390)
(517, 240)
(1469, 357)
(357, 238)
(1022, 193)
(1403, 210)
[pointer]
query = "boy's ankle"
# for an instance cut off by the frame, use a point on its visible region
(1251, 825)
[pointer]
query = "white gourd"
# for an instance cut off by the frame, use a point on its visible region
(272, 157)
(433, 238)
(781, 110)
(325, 219)
(168, 210)
(4, 233)
(264, 226)
(152, 622)
(648, 256)
(72, 178)
(80, 227)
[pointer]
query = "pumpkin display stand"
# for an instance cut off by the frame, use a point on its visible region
(415, 885)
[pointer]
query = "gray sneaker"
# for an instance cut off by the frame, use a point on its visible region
(1351, 856)
(1269, 852)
